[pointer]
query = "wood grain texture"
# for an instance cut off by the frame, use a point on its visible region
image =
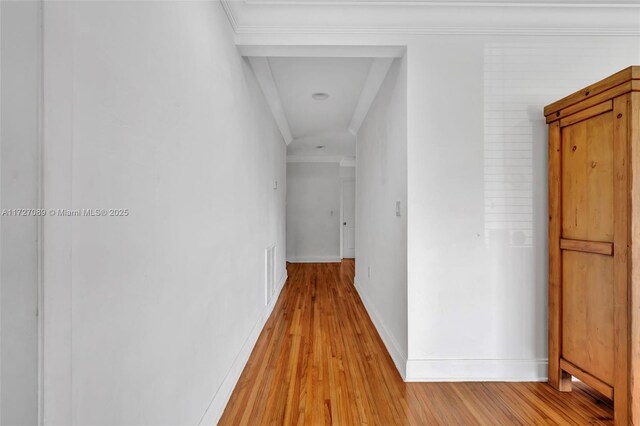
(633, 255)
(320, 360)
(583, 95)
(557, 378)
(605, 106)
(595, 100)
(621, 110)
(587, 313)
(587, 179)
(590, 380)
(587, 246)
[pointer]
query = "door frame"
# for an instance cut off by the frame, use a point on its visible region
(343, 180)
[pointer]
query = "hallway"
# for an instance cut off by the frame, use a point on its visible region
(319, 360)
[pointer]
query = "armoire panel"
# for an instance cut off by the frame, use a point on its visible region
(587, 179)
(587, 307)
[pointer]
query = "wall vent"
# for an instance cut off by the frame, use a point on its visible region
(269, 273)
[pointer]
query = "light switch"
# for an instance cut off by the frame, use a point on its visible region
(275, 184)
(397, 208)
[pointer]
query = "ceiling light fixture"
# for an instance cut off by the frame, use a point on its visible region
(320, 96)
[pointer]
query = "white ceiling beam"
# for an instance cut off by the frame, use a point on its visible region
(322, 51)
(348, 162)
(343, 161)
(314, 159)
(263, 73)
(377, 73)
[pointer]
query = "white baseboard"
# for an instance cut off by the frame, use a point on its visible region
(219, 401)
(476, 370)
(398, 356)
(315, 259)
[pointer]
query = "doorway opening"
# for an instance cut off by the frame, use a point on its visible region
(320, 103)
(342, 111)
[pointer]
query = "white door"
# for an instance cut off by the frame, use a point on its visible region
(348, 219)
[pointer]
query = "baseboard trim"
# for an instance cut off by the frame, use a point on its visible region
(315, 259)
(477, 370)
(397, 354)
(219, 401)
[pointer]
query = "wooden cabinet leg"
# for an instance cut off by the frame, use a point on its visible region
(565, 382)
(558, 378)
(561, 380)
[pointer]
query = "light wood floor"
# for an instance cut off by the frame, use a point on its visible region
(319, 360)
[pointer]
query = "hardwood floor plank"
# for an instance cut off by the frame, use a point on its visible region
(319, 360)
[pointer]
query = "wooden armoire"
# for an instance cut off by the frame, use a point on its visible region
(594, 241)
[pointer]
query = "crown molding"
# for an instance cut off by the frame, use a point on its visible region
(451, 3)
(368, 18)
(228, 10)
(287, 30)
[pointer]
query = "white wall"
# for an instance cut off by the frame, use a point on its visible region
(20, 87)
(313, 212)
(477, 192)
(381, 236)
(150, 318)
(149, 99)
(476, 140)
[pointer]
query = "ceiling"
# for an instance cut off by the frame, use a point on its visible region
(298, 78)
(320, 128)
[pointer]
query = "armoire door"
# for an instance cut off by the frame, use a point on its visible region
(587, 153)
